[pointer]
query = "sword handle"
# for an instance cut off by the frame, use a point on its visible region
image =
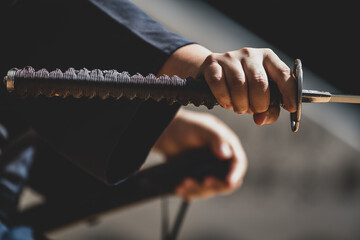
(296, 116)
(106, 84)
(112, 84)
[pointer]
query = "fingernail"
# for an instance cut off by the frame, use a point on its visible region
(238, 111)
(260, 119)
(263, 121)
(266, 120)
(226, 150)
(260, 122)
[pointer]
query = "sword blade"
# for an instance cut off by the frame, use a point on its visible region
(345, 98)
(314, 96)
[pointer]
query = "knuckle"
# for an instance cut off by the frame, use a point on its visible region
(260, 80)
(211, 58)
(285, 72)
(268, 51)
(238, 82)
(228, 55)
(246, 51)
(215, 79)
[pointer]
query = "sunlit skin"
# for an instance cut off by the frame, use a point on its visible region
(239, 81)
(194, 130)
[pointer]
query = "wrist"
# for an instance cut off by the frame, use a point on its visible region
(171, 140)
(185, 61)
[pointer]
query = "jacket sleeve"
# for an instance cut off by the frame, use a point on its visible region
(109, 139)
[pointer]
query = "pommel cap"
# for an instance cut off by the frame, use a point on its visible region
(9, 80)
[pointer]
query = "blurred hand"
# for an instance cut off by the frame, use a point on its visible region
(239, 81)
(194, 130)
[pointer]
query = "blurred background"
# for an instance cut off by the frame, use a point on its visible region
(298, 186)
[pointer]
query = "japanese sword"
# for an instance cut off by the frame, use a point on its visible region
(113, 84)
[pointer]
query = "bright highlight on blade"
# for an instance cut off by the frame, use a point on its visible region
(314, 96)
(345, 98)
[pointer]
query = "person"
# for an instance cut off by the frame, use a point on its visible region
(85, 143)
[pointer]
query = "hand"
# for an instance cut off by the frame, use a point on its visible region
(239, 81)
(194, 130)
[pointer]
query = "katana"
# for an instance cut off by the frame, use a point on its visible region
(106, 84)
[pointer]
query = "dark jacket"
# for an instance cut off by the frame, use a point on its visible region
(109, 139)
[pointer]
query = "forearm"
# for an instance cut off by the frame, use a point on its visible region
(178, 135)
(185, 61)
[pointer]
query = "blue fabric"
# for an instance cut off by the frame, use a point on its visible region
(16, 233)
(15, 163)
(107, 139)
(112, 34)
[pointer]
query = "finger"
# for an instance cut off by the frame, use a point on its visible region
(191, 189)
(235, 173)
(225, 151)
(213, 185)
(180, 190)
(268, 117)
(231, 151)
(281, 74)
(259, 93)
(222, 150)
(236, 82)
(237, 169)
(250, 111)
(215, 78)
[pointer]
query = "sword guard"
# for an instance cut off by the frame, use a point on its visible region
(296, 116)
